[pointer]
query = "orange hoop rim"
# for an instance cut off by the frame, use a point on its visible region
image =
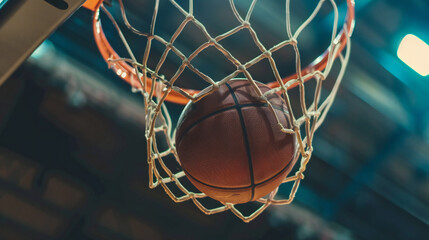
(127, 72)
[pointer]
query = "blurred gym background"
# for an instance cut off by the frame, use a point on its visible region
(73, 161)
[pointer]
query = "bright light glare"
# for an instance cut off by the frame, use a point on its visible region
(415, 53)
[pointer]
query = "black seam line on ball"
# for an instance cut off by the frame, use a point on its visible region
(220, 111)
(246, 140)
(238, 188)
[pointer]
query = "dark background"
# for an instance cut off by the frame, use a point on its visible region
(73, 160)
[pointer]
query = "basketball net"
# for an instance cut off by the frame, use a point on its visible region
(156, 89)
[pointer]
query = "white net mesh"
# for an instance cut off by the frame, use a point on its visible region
(156, 88)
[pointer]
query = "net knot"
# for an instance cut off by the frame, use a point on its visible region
(295, 128)
(300, 175)
(264, 99)
(317, 113)
(305, 155)
(212, 41)
(229, 205)
(189, 17)
(169, 45)
(185, 61)
(241, 68)
(266, 54)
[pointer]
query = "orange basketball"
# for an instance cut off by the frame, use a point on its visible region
(230, 146)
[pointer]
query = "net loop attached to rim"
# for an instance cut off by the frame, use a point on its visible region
(156, 89)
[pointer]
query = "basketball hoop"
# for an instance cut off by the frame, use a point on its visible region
(156, 89)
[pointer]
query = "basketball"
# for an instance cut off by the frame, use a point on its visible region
(230, 145)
